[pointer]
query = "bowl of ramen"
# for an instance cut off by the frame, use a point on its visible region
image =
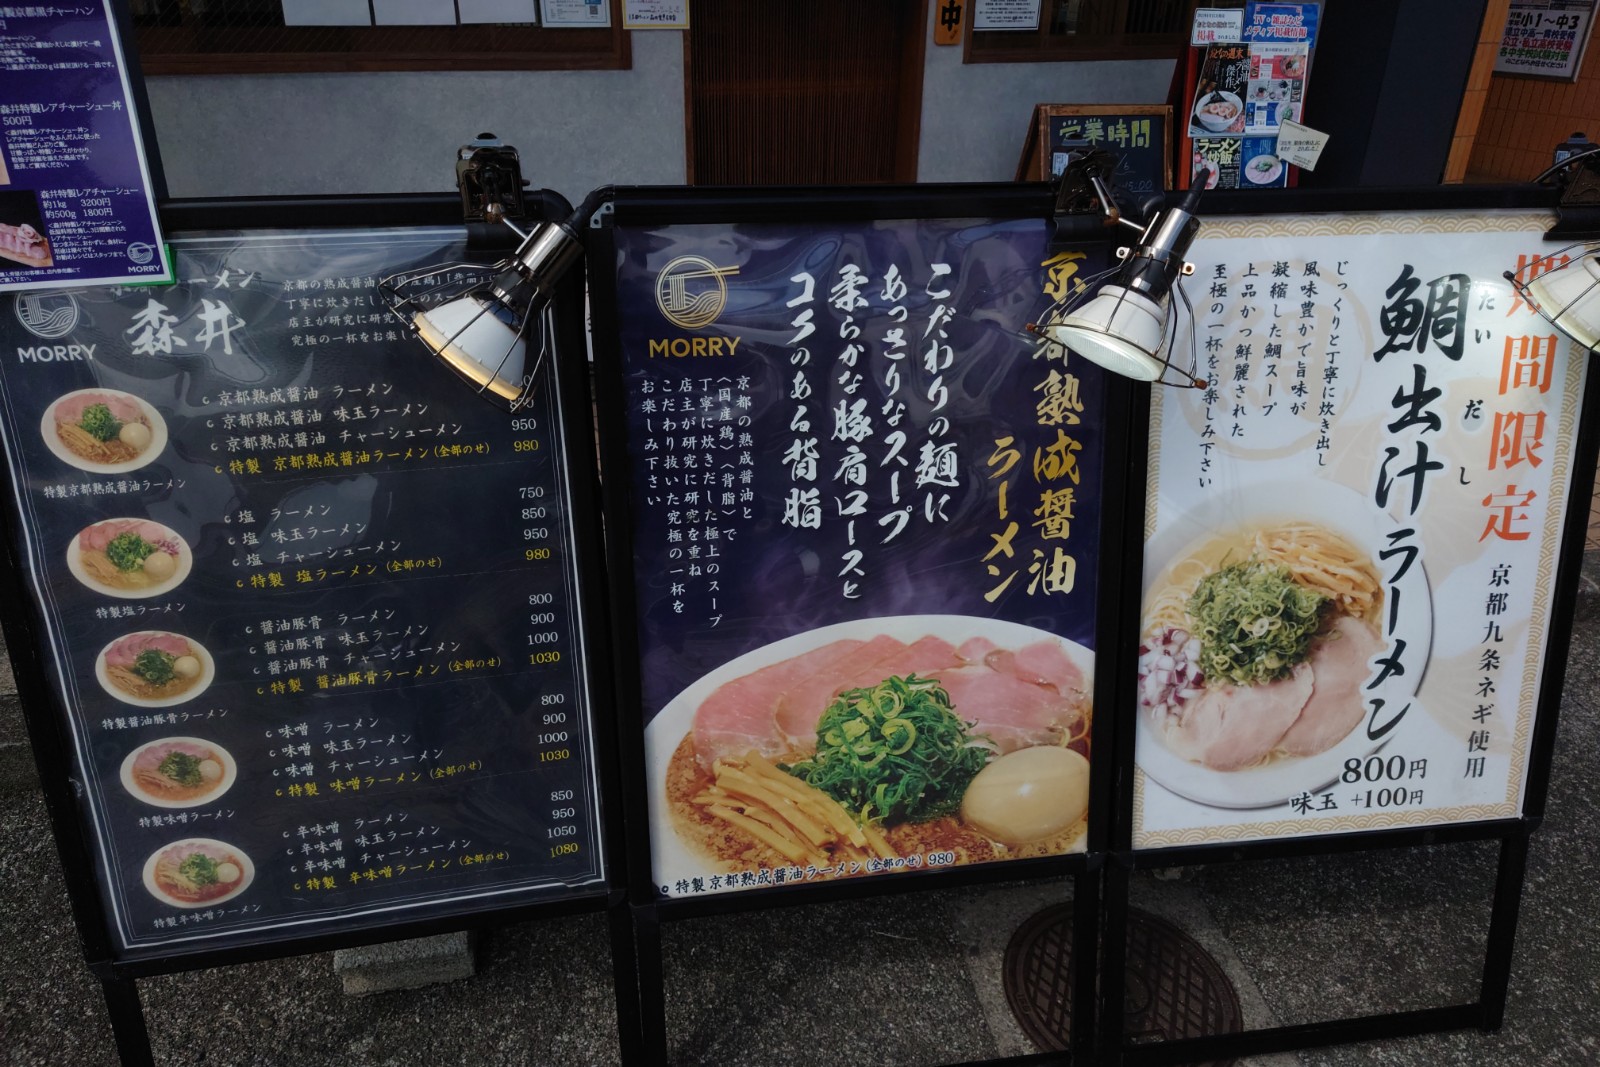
(197, 873)
(154, 669)
(1217, 111)
(874, 745)
(1260, 632)
(129, 558)
(178, 772)
(103, 431)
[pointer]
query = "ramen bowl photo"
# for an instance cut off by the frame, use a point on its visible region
(178, 772)
(154, 669)
(1216, 111)
(129, 558)
(103, 431)
(197, 873)
(1259, 635)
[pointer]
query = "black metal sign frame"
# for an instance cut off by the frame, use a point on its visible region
(47, 720)
(644, 206)
(1115, 1044)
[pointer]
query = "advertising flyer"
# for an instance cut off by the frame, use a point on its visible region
(865, 509)
(1352, 531)
(76, 202)
(1545, 38)
(309, 604)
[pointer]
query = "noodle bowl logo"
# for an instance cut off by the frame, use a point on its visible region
(690, 291)
(47, 315)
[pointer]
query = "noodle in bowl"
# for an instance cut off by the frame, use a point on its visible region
(129, 558)
(197, 873)
(178, 772)
(103, 431)
(154, 669)
(1260, 632)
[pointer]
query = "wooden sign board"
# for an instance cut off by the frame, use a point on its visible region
(1140, 133)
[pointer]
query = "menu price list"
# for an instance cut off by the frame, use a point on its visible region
(311, 604)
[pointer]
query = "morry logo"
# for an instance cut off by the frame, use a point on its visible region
(690, 291)
(47, 315)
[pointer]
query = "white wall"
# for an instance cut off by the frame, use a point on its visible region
(269, 134)
(975, 116)
(275, 134)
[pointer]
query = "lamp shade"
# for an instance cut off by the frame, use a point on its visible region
(1570, 299)
(1119, 329)
(469, 335)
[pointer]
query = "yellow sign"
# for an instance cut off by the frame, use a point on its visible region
(947, 21)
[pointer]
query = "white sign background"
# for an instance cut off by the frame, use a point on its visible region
(1271, 467)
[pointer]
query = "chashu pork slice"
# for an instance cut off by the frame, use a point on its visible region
(1339, 670)
(1041, 663)
(1013, 713)
(1232, 727)
(741, 715)
(802, 704)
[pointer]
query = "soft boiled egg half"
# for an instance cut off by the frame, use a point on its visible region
(1028, 795)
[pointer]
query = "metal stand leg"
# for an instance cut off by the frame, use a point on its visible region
(1503, 929)
(127, 1022)
(1085, 965)
(1114, 960)
(652, 985)
(625, 980)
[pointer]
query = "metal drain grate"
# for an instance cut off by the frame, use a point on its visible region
(1174, 988)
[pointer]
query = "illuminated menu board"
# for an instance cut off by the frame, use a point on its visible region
(309, 606)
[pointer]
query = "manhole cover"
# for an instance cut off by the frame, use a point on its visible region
(1174, 988)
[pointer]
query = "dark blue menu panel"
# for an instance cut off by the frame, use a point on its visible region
(76, 202)
(854, 471)
(311, 605)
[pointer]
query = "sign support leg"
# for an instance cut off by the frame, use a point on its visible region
(127, 1021)
(1086, 905)
(1503, 929)
(1113, 914)
(652, 984)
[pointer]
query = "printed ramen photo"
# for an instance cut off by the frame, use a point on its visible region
(154, 668)
(1256, 645)
(128, 558)
(863, 745)
(197, 873)
(177, 772)
(103, 431)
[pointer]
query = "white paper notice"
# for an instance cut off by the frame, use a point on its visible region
(413, 13)
(1217, 25)
(1300, 145)
(655, 14)
(565, 14)
(326, 13)
(475, 11)
(1005, 15)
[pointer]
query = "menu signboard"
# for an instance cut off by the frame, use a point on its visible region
(77, 205)
(864, 515)
(309, 606)
(1352, 532)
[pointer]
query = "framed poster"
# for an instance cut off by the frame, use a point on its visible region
(1351, 532)
(858, 529)
(77, 193)
(1140, 134)
(297, 702)
(1546, 38)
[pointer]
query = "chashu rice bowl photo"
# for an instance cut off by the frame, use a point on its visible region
(874, 745)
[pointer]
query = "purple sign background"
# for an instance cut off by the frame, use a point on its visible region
(76, 199)
(721, 565)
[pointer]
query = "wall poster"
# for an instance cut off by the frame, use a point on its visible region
(864, 529)
(77, 205)
(1352, 533)
(1545, 38)
(297, 701)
